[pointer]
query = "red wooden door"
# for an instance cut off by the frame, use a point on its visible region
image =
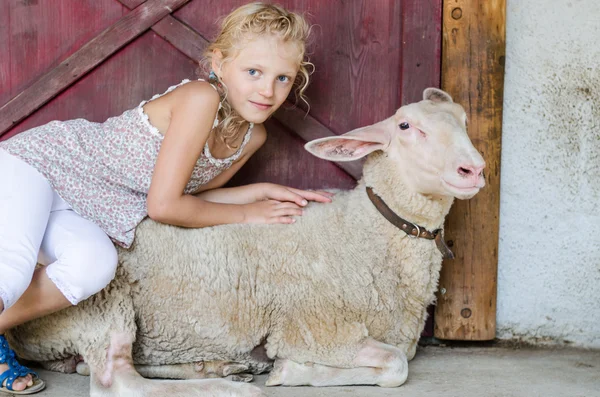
(93, 59)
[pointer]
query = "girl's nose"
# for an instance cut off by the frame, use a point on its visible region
(267, 89)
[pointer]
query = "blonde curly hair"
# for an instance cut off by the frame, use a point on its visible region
(256, 19)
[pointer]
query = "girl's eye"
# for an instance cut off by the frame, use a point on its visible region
(252, 72)
(404, 126)
(283, 79)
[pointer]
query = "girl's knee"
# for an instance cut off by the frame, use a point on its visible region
(85, 270)
(104, 266)
(99, 268)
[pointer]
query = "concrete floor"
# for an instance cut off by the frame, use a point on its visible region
(444, 371)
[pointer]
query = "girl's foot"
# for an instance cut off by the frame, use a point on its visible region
(15, 378)
(19, 384)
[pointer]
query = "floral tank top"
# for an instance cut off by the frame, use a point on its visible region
(104, 170)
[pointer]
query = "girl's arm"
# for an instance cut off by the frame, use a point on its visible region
(264, 191)
(193, 108)
(247, 194)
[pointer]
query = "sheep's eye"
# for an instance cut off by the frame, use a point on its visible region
(404, 126)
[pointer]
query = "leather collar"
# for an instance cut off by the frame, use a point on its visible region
(413, 230)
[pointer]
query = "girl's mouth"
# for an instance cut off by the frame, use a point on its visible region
(261, 106)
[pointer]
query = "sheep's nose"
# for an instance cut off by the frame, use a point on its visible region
(470, 171)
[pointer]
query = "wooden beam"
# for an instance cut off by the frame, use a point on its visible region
(131, 3)
(83, 60)
(308, 128)
(181, 36)
(473, 73)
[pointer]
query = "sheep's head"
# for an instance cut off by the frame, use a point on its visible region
(427, 141)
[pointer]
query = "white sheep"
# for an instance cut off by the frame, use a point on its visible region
(338, 298)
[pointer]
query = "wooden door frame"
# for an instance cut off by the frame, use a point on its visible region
(473, 53)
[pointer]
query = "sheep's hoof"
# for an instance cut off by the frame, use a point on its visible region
(246, 378)
(67, 365)
(233, 368)
(271, 381)
(277, 375)
(82, 368)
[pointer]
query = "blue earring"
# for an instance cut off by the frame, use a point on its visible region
(213, 79)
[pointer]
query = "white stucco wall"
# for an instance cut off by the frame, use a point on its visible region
(549, 255)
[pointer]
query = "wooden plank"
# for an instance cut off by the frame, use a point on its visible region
(36, 36)
(131, 4)
(357, 56)
(5, 51)
(421, 48)
(308, 128)
(473, 73)
(86, 58)
(181, 36)
(420, 64)
(118, 84)
(282, 159)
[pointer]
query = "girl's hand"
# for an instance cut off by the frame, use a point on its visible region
(271, 211)
(271, 191)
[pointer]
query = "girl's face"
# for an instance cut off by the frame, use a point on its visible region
(260, 77)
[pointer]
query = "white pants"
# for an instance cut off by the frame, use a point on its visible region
(36, 225)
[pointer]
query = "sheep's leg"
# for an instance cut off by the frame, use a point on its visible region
(67, 366)
(411, 346)
(412, 323)
(118, 378)
(376, 363)
(199, 370)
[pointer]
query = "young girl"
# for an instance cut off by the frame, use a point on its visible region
(68, 188)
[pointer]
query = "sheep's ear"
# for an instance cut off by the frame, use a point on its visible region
(355, 144)
(436, 95)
